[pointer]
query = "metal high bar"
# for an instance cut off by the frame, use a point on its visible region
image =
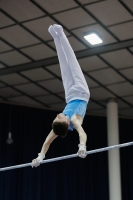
(69, 156)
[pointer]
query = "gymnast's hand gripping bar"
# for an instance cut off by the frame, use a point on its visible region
(69, 156)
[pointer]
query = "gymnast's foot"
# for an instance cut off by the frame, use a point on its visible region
(58, 29)
(52, 31)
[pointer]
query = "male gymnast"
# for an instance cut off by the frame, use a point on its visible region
(76, 94)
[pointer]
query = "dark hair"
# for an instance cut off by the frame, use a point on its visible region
(60, 128)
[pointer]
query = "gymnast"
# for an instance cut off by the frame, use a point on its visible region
(76, 94)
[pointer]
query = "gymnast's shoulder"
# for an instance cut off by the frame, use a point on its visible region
(76, 120)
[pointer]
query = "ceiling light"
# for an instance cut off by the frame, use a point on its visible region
(93, 39)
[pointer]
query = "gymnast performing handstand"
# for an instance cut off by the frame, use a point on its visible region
(76, 94)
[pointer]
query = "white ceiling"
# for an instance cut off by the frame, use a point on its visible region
(29, 68)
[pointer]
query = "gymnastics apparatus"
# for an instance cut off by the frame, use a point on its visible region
(69, 156)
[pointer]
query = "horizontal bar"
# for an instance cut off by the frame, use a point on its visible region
(69, 156)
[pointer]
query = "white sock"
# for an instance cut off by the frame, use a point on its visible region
(58, 29)
(52, 31)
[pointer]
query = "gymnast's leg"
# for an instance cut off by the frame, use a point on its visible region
(78, 77)
(65, 71)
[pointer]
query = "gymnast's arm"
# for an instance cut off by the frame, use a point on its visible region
(48, 141)
(82, 136)
(45, 147)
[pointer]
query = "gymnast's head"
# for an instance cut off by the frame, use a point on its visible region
(60, 125)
